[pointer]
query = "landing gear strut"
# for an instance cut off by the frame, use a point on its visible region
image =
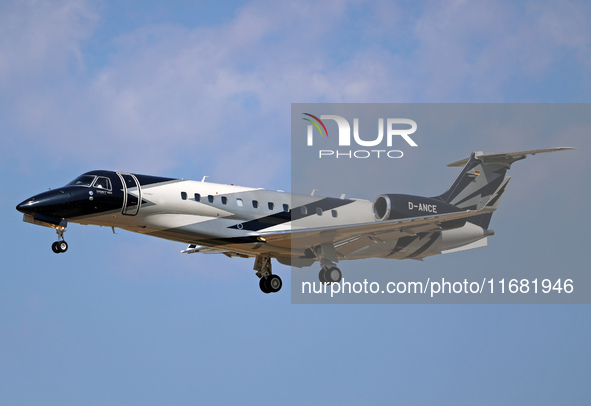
(268, 282)
(60, 245)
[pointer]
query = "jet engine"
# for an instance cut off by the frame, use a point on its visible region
(398, 206)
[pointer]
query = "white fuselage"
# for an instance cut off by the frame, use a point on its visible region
(238, 218)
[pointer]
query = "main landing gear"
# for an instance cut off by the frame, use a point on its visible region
(60, 245)
(330, 274)
(269, 283)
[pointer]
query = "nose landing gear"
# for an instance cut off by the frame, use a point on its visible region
(60, 245)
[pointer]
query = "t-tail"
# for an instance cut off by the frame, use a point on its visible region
(482, 181)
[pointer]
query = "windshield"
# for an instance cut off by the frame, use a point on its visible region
(84, 180)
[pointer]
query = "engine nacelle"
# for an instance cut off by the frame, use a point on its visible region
(396, 206)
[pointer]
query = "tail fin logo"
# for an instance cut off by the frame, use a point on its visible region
(311, 129)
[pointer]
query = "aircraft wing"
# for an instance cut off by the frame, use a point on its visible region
(348, 238)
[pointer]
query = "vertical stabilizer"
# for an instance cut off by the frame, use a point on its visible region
(482, 181)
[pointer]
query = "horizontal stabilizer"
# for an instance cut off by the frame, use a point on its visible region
(508, 157)
(481, 183)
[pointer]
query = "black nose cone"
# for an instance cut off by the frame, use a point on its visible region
(26, 206)
(48, 203)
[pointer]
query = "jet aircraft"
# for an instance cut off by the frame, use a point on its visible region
(295, 229)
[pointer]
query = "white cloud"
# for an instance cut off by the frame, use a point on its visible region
(479, 50)
(37, 37)
(213, 94)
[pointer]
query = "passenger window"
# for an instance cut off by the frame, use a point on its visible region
(197, 197)
(102, 183)
(224, 200)
(286, 208)
(319, 211)
(184, 195)
(255, 204)
(239, 202)
(210, 198)
(334, 213)
(271, 205)
(304, 210)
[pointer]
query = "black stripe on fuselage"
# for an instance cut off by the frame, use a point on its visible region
(186, 236)
(296, 213)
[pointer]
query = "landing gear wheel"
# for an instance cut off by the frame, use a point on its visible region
(274, 283)
(321, 276)
(59, 246)
(333, 275)
(270, 284)
(63, 246)
(263, 285)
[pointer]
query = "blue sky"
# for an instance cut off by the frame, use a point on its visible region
(191, 89)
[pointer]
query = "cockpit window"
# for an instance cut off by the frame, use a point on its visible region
(84, 180)
(102, 183)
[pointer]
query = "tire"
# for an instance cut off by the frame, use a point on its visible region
(263, 285)
(322, 275)
(62, 246)
(274, 283)
(333, 275)
(55, 248)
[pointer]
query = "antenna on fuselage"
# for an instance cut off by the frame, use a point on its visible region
(203, 180)
(313, 191)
